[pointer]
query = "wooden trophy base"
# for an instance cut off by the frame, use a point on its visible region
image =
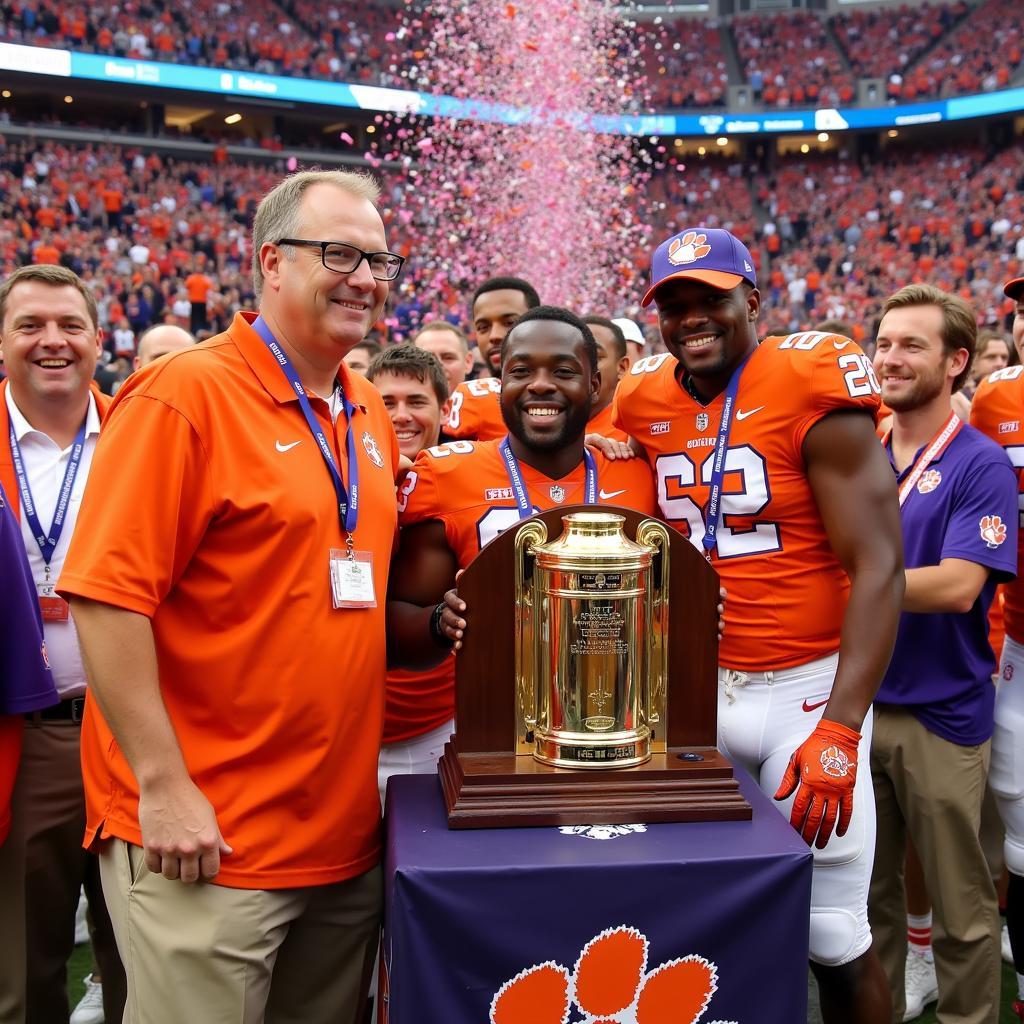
(505, 790)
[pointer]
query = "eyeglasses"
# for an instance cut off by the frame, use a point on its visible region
(343, 258)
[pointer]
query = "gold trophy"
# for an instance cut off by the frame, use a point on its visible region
(582, 694)
(591, 655)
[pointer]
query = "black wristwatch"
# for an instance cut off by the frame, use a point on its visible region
(436, 632)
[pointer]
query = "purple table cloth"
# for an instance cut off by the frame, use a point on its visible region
(652, 924)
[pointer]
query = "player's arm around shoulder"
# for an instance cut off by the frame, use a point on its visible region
(855, 490)
(424, 566)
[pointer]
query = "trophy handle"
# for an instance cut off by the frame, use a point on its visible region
(527, 537)
(655, 535)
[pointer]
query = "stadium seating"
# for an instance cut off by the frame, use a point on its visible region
(790, 60)
(886, 40)
(135, 224)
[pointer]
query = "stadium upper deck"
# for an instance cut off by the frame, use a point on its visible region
(788, 59)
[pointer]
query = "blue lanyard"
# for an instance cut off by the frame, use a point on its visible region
(713, 517)
(47, 541)
(515, 478)
(348, 501)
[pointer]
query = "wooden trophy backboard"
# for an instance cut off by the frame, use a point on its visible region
(488, 785)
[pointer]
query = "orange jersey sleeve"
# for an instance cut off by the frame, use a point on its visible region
(602, 424)
(787, 591)
(416, 702)
(998, 412)
(465, 486)
(476, 411)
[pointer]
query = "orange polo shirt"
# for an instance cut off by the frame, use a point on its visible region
(210, 511)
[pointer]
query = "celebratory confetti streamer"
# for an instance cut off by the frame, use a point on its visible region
(547, 198)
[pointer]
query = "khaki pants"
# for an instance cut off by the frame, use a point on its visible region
(205, 952)
(42, 869)
(933, 790)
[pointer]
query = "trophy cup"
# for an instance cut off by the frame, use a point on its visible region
(583, 696)
(590, 630)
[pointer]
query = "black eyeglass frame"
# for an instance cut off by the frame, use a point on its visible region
(363, 255)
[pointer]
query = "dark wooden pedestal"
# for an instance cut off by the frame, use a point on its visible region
(487, 784)
(503, 790)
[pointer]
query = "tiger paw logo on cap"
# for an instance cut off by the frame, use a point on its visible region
(993, 530)
(610, 984)
(688, 249)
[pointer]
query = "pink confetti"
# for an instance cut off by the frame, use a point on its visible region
(292, 163)
(548, 198)
(345, 137)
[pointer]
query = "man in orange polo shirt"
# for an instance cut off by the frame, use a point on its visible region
(233, 628)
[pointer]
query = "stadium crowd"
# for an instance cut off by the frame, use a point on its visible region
(162, 239)
(884, 41)
(982, 53)
(788, 60)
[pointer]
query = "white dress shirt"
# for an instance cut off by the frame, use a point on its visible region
(45, 463)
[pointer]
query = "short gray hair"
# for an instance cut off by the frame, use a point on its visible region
(278, 212)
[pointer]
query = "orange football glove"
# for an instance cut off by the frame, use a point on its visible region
(825, 768)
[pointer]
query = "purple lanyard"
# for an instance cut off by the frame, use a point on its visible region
(515, 478)
(713, 517)
(47, 540)
(348, 500)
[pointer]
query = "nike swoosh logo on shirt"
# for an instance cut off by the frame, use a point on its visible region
(840, 345)
(608, 495)
(286, 447)
(814, 707)
(742, 414)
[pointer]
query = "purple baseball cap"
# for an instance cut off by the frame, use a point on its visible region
(1013, 289)
(712, 255)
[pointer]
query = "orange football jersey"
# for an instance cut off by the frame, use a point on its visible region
(464, 484)
(602, 424)
(415, 702)
(998, 412)
(787, 590)
(476, 411)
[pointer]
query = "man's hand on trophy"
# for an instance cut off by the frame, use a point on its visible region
(722, 595)
(610, 448)
(822, 771)
(447, 623)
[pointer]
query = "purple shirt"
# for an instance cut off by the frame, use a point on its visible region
(964, 506)
(26, 683)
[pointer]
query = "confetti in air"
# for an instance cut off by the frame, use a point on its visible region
(548, 198)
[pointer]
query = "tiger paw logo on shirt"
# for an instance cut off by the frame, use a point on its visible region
(929, 481)
(610, 985)
(371, 449)
(688, 249)
(993, 530)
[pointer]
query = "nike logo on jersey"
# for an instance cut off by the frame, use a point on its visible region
(814, 707)
(840, 345)
(742, 414)
(285, 447)
(608, 495)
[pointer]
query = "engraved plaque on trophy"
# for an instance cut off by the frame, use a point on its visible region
(586, 690)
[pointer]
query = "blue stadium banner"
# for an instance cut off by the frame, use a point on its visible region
(230, 82)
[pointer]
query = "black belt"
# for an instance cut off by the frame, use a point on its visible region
(69, 710)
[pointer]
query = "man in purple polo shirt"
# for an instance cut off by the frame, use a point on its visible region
(934, 710)
(26, 682)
